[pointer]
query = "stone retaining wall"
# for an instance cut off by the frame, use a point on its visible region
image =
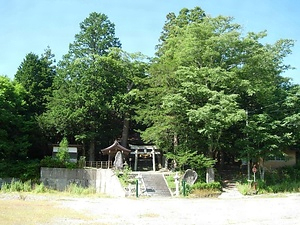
(103, 180)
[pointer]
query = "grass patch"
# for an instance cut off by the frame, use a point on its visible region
(37, 212)
(78, 190)
(171, 181)
(205, 190)
(246, 188)
(204, 193)
(281, 180)
(24, 188)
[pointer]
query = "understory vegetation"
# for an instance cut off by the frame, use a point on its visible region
(198, 189)
(37, 188)
(286, 179)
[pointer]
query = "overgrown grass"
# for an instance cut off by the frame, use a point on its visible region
(124, 176)
(78, 190)
(286, 179)
(205, 190)
(171, 181)
(197, 190)
(28, 187)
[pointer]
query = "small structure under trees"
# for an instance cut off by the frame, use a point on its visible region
(112, 150)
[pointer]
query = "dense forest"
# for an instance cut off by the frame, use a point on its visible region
(211, 91)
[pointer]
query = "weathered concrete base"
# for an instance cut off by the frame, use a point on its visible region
(103, 180)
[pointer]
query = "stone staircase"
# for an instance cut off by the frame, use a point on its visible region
(230, 190)
(155, 185)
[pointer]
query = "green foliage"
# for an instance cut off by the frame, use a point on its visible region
(23, 170)
(208, 186)
(124, 176)
(279, 180)
(96, 37)
(78, 190)
(14, 140)
(51, 162)
(39, 188)
(190, 159)
(245, 188)
(36, 75)
(200, 189)
(204, 190)
(205, 77)
(63, 151)
(54, 162)
(17, 186)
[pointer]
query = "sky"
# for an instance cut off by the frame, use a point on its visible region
(32, 25)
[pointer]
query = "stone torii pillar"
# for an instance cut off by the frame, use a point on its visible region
(153, 159)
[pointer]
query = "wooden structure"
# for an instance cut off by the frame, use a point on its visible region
(112, 150)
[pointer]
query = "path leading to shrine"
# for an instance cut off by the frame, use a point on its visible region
(273, 209)
(263, 210)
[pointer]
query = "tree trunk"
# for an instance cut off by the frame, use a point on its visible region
(222, 158)
(92, 150)
(125, 132)
(175, 143)
(211, 152)
(262, 170)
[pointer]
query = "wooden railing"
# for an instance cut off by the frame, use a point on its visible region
(99, 164)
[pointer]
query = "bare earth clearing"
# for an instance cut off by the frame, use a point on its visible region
(271, 209)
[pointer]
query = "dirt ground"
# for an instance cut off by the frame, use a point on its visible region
(262, 210)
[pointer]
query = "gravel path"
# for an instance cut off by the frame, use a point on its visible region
(229, 209)
(246, 210)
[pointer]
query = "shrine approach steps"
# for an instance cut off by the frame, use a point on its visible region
(155, 185)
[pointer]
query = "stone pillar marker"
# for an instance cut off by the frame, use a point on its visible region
(153, 159)
(176, 177)
(135, 160)
(210, 175)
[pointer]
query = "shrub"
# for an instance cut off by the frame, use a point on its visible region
(63, 153)
(78, 190)
(204, 190)
(124, 176)
(39, 188)
(17, 186)
(286, 179)
(24, 170)
(207, 186)
(53, 162)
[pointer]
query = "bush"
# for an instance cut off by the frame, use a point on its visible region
(53, 162)
(207, 186)
(39, 188)
(286, 179)
(204, 190)
(78, 190)
(124, 176)
(17, 186)
(24, 170)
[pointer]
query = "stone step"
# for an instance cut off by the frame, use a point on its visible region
(156, 185)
